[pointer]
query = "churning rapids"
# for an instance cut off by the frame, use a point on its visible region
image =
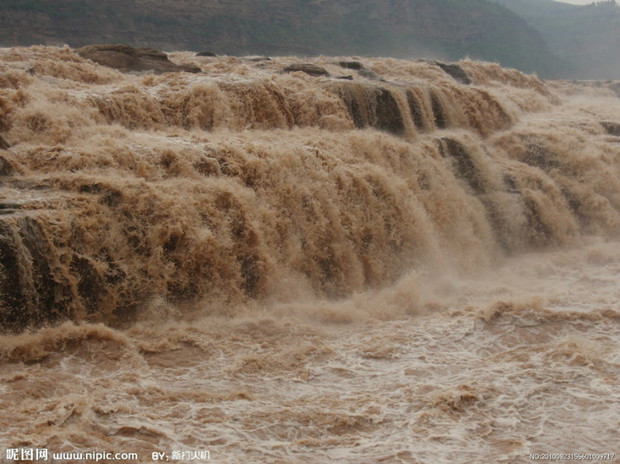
(376, 260)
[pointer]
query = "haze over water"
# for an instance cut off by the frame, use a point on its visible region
(395, 266)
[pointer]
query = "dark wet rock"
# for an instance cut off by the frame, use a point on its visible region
(308, 68)
(114, 274)
(389, 117)
(536, 154)
(416, 110)
(90, 285)
(356, 65)
(109, 196)
(29, 292)
(250, 272)
(372, 106)
(12, 298)
(205, 53)
(4, 145)
(126, 58)
(362, 70)
(369, 74)
(612, 128)
(36, 288)
(207, 165)
(454, 70)
(511, 183)
(441, 119)
(541, 233)
(35, 240)
(9, 208)
(464, 165)
(6, 169)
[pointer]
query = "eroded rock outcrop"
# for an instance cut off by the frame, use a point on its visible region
(362, 70)
(372, 106)
(29, 290)
(126, 58)
(455, 71)
(308, 68)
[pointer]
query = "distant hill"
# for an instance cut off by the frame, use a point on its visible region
(586, 36)
(447, 29)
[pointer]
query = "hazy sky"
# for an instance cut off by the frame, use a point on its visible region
(577, 2)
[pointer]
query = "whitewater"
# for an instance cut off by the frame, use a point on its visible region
(397, 261)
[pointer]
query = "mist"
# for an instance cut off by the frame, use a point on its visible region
(586, 38)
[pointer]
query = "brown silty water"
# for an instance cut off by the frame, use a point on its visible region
(385, 263)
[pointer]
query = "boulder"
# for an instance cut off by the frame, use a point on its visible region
(205, 53)
(356, 65)
(455, 71)
(126, 58)
(308, 68)
(369, 74)
(360, 68)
